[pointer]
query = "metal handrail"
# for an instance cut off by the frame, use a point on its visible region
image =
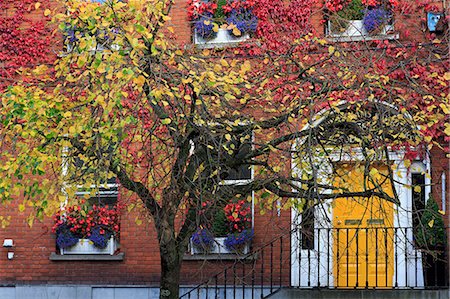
(316, 269)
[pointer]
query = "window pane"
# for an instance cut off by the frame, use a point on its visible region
(243, 172)
(106, 194)
(307, 229)
(418, 198)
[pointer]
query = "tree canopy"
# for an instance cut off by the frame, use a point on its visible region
(172, 123)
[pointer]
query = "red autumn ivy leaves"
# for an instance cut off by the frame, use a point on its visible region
(25, 37)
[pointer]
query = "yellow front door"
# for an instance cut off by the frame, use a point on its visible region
(363, 234)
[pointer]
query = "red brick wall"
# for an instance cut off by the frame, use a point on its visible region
(440, 164)
(141, 264)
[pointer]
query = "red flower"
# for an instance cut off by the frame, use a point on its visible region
(82, 219)
(236, 214)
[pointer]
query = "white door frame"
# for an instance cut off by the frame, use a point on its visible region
(314, 267)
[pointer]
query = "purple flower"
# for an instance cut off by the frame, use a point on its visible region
(244, 20)
(64, 237)
(204, 27)
(202, 239)
(374, 18)
(100, 237)
(237, 241)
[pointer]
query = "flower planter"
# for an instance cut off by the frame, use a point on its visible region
(356, 29)
(219, 248)
(222, 38)
(85, 246)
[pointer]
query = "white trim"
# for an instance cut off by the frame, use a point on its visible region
(356, 31)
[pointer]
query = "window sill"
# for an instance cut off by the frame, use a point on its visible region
(87, 257)
(223, 39)
(362, 38)
(219, 257)
(357, 32)
(219, 248)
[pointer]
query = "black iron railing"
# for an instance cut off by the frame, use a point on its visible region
(370, 257)
(255, 275)
(335, 258)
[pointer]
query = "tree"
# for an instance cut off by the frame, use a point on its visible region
(171, 123)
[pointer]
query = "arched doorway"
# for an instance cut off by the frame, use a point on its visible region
(360, 241)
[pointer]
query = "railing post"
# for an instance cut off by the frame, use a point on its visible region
(386, 252)
(234, 280)
(415, 270)
(281, 261)
(328, 256)
(225, 282)
(406, 257)
(357, 257)
(376, 256)
(367, 258)
(347, 257)
(318, 257)
(243, 279)
(262, 273)
(271, 267)
(337, 258)
(299, 259)
(396, 257)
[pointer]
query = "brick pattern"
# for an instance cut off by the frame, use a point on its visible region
(440, 164)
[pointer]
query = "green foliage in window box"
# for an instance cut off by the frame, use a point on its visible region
(220, 224)
(340, 20)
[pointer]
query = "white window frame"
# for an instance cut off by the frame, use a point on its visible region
(64, 171)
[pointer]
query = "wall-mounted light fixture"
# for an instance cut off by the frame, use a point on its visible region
(9, 243)
(432, 20)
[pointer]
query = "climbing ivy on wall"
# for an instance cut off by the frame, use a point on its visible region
(25, 37)
(280, 22)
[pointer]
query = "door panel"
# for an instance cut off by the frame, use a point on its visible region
(363, 238)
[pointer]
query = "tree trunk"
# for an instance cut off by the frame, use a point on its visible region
(171, 259)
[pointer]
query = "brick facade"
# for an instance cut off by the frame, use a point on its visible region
(141, 264)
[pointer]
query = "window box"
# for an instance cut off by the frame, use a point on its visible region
(222, 39)
(85, 246)
(356, 20)
(219, 248)
(356, 29)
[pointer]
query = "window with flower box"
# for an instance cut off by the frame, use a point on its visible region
(353, 20)
(90, 224)
(93, 40)
(230, 229)
(218, 23)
